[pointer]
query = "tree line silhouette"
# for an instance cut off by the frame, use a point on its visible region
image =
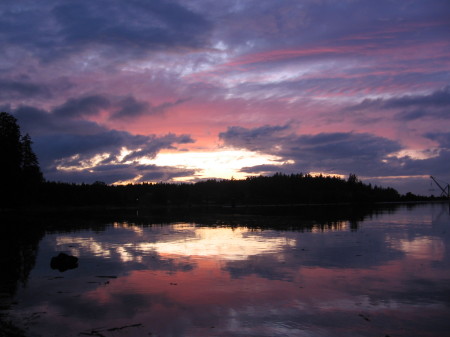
(22, 184)
(20, 174)
(279, 189)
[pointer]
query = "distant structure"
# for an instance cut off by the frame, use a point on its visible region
(445, 190)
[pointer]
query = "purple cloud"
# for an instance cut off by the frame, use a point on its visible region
(436, 99)
(82, 107)
(20, 89)
(325, 152)
(55, 29)
(130, 108)
(363, 80)
(120, 172)
(59, 139)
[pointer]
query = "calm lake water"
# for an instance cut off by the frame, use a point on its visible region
(386, 275)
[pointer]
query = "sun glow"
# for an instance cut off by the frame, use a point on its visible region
(74, 163)
(223, 164)
(182, 239)
(219, 164)
(415, 154)
(324, 174)
(226, 243)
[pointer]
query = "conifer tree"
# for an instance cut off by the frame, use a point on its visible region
(10, 148)
(19, 168)
(31, 172)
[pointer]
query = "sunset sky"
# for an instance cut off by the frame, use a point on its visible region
(153, 90)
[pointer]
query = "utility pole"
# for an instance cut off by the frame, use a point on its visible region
(445, 190)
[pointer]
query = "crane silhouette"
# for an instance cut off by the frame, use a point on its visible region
(445, 190)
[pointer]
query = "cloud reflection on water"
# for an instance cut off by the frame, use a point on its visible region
(389, 277)
(184, 240)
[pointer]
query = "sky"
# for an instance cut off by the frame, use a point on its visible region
(181, 91)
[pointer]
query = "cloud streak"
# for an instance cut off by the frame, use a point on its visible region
(54, 30)
(437, 99)
(68, 145)
(324, 152)
(21, 89)
(348, 86)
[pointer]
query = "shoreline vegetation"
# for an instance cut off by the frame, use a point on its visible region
(24, 187)
(30, 206)
(253, 192)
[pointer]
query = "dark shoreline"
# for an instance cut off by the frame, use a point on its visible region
(202, 208)
(295, 216)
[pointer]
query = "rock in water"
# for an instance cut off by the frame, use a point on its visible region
(63, 262)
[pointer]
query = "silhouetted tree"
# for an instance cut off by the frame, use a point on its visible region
(21, 178)
(10, 158)
(30, 166)
(352, 179)
(19, 168)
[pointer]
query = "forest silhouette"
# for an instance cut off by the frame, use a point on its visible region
(252, 202)
(20, 174)
(23, 185)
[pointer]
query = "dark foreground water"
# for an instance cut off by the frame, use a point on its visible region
(387, 275)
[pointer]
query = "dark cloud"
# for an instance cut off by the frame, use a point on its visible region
(263, 138)
(69, 149)
(270, 24)
(10, 89)
(436, 163)
(242, 59)
(63, 138)
(69, 116)
(111, 173)
(153, 173)
(62, 145)
(54, 29)
(130, 108)
(443, 138)
(326, 152)
(411, 115)
(82, 107)
(152, 147)
(109, 176)
(440, 98)
(39, 122)
(412, 107)
(163, 107)
(269, 169)
(340, 153)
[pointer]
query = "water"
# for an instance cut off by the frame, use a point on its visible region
(388, 275)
